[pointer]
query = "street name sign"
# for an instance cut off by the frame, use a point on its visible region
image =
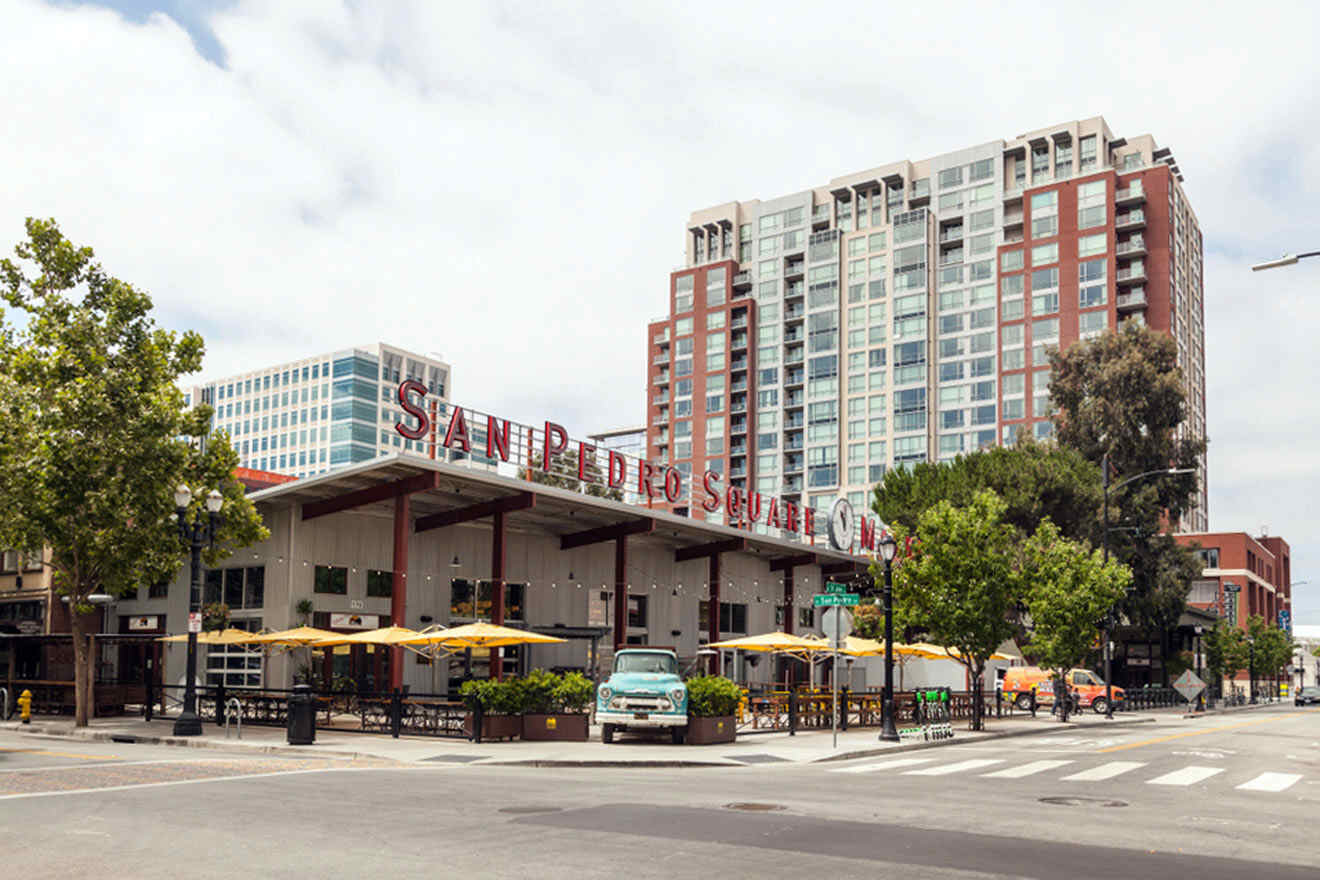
(823, 600)
(835, 587)
(1189, 684)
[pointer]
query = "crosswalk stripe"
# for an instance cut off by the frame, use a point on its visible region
(1025, 770)
(1104, 771)
(1185, 776)
(881, 765)
(946, 769)
(1271, 782)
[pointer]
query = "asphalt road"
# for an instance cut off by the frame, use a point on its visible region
(1232, 796)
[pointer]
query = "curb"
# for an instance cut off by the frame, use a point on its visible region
(920, 746)
(1233, 710)
(183, 742)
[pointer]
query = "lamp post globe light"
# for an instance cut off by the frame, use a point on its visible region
(888, 731)
(1285, 260)
(1110, 620)
(196, 533)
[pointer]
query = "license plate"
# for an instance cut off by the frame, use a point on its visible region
(641, 716)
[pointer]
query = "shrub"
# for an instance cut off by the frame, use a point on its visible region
(711, 696)
(538, 690)
(494, 697)
(574, 693)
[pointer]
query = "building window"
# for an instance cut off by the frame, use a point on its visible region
(380, 583)
(637, 611)
(236, 666)
(733, 617)
(331, 579)
(236, 587)
(461, 605)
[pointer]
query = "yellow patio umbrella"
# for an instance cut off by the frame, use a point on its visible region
(775, 642)
(480, 635)
(390, 635)
(297, 637)
(928, 651)
(856, 646)
(229, 636)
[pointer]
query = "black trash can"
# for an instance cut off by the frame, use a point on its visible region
(302, 716)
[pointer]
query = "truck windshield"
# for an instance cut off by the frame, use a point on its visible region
(656, 664)
(1080, 677)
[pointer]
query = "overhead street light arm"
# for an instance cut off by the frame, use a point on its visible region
(1162, 471)
(1285, 260)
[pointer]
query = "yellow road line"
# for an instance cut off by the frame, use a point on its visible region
(1160, 739)
(63, 754)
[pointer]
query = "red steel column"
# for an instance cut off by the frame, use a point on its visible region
(399, 588)
(620, 591)
(497, 590)
(713, 616)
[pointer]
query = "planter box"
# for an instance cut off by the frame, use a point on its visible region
(495, 727)
(708, 731)
(563, 727)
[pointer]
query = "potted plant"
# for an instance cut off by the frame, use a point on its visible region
(499, 706)
(712, 702)
(555, 706)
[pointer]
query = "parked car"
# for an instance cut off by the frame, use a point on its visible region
(1083, 683)
(644, 692)
(1307, 695)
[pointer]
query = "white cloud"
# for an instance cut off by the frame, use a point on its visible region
(507, 183)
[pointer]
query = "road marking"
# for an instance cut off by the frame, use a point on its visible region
(960, 766)
(1186, 776)
(1104, 771)
(51, 754)
(1025, 770)
(1271, 782)
(1160, 739)
(881, 765)
(35, 794)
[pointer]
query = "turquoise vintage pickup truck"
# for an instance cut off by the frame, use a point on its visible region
(644, 691)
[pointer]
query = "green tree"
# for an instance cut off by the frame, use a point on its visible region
(93, 432)
(960, 584)
(1069, 589)
(1225, 652)
(1121, 395)
(1274, 648)
(1035, 480)
(563, 475)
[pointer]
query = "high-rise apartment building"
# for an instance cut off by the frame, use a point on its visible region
(319, 412)
(904, 313)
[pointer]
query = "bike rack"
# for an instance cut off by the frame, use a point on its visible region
(234, 710)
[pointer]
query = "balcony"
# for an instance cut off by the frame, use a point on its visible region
(795, 270)
(1133, 195)
(739, 340)
(794, 313)
(739, 426)
(738, 363)
(660, 420)
(953, 233)
(738, 407)
(660, 398)
(794, 291)
(738, 386)
(738, 323)
(1132, 274)
(793, 487)
(736, 472)
(1013, 237)
(793, 443)
(662, 379)
(820, 212)
(791, 424)
(792, 464)
(661, 338)
(951, 257)
(794, 335)
(1132, 301)
(1013, 218)
(661, 358)
(795, 400)
(1133, 247)
(742, 281)
(794, 355)
(1130, 220)
(793, 378)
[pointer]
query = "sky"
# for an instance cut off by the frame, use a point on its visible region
(507, 184)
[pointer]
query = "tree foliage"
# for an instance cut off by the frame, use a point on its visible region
(93, 428)
(1069, 589)
(959, 586)
(1035, 480)
(563, 475)
(1273, 647)
(1225, 649)
(1121, 394)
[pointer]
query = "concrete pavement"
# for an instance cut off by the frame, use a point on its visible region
(749, 748)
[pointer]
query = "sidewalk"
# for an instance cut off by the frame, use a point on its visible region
(749, 748)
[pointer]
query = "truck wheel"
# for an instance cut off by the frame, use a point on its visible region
(607, 733)
(677, 734)
(1023, 702)
(1100, 705)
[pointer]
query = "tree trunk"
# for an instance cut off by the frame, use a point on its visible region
(81, 664)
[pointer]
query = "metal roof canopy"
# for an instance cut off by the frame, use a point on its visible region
(556, 512)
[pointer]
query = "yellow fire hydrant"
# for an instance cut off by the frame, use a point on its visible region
(25, 706)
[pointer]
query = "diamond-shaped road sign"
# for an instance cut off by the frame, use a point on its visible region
(1189, 684)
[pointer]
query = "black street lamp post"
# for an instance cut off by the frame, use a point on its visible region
(197, 533)
(1251, 668)
(1104, 540)
(888, 731)
(1200, 698)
